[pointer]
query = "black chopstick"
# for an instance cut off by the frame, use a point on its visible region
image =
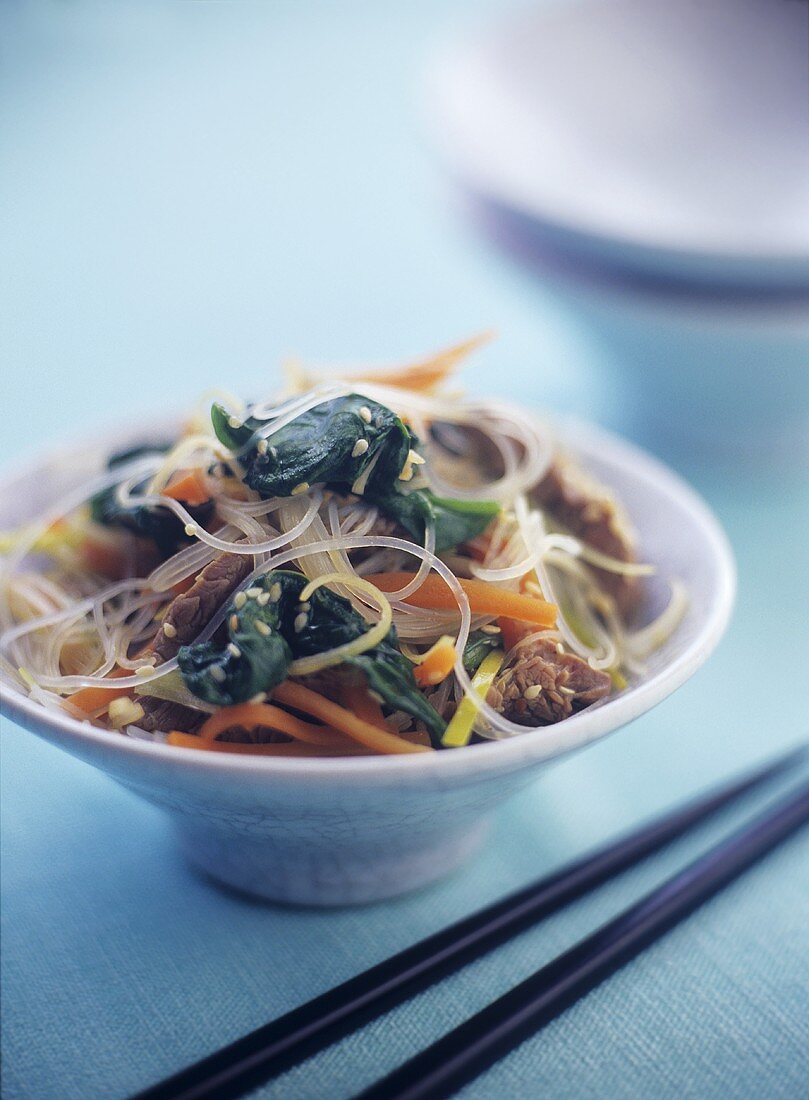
(277, 1046)
(464, 1053)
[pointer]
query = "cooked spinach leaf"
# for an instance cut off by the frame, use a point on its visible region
(479, 646)
(160, 525)
(272, 628)
(350, 444)
(455, 521)
(253, 656)
(335, 442)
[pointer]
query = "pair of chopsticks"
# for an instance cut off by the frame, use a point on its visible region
(462, 1054)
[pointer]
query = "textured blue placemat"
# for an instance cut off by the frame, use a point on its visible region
(189, 191)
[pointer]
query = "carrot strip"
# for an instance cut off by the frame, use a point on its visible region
(437, 663)
(91, 699)
(251, 715)
(484, 598)
(425, 374)
(303, 699)
(287, 748)
(191, 488)
(513, 631)
(355, 698)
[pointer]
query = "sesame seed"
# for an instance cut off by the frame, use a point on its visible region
(144, 670)
(263, 599)
(560, 648)
(306, 606)
(490, 629)
(365, 413)
(300, 622)
(567, 691)
(533, 589)
(169, 630)
(376, 697)
(253, 593)
(263, 629)
(302, 488)
(262, 446)
(413, 459)
(360, 447)
(190, 529)
(234, 650)
(218, 674)
(275, 592)
(233, 623)
(259, 697)
(234, 422)
(239, 600)
(532, 692)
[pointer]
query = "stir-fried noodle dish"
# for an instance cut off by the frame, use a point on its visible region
(365, 563)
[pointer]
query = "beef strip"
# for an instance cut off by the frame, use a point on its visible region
(587, 509)
(187, 614)
(464, 455)
(160, 714)
(190, 611)
(567, 683)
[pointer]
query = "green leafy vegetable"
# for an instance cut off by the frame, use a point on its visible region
(335, 442)
(479, 646)
(273, 627)
(350, 444)
(455, 521)
(160, 525)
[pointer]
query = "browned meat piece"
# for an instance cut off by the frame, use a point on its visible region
(540, 685)
(382, 525)
(588, 510)
(160, 714)
(189, 612)
(464, 455)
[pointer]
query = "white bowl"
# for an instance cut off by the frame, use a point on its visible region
(668, 138)
(356, 829)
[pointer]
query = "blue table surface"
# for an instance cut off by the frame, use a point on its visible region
(188, 192)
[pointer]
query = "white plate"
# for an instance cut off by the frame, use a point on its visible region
(667, 137)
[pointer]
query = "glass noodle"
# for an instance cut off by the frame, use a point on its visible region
(95, 626)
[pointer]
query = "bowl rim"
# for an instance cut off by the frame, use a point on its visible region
(534, 746)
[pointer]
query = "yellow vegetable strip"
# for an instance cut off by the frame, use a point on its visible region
(459, 729)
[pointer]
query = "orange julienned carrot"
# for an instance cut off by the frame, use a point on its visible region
(91, 699)
(513, 631)
(425, 374)
(355, 698)
(286, 748)
(437, 663)
(309, 702)
(250, 715)
(484, 598)
(190, 488)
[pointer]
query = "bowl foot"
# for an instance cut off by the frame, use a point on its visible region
(278, 871)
